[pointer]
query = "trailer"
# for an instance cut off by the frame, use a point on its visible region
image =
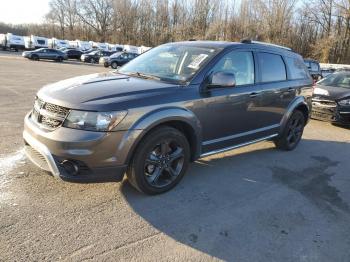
(115, 47)
(143, 49)
(35, 42)
(100, 46)
(58, 43)
(131, 49)
(81, 45)
(11, 41)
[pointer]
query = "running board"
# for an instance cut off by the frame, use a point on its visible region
(237, 146)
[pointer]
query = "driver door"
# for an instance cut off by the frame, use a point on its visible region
(227, 114)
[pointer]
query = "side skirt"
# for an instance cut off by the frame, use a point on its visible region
(237, 146)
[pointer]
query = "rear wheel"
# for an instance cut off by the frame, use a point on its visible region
(160, 161)
(292, 132)
(35, 57)
(59, 59)
(114, 65)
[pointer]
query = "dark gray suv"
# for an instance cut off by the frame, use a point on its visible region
(173, 104)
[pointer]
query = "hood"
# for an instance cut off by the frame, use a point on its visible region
(103, 92)
(331, 92)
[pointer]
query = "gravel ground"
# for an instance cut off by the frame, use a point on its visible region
(251, 204)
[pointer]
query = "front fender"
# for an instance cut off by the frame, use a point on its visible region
(158, 117)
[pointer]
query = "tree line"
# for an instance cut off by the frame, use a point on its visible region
(317, 29)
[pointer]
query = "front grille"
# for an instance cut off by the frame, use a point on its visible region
(323, 102)
(48, 115)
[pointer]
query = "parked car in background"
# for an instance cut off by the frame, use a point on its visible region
(150, 122)
(94, 56)
(73, 53)
(117, 59)
(331, 98)
(314, 68)
(327, 71)
(45, 53)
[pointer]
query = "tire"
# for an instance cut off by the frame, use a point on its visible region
(114, 65)
(35, 57)
(105, 64)
(292, 133)
(59, 59)
(160, 161)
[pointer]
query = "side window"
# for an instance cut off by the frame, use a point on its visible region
(272, 67)
(241, 63)
(297, 68)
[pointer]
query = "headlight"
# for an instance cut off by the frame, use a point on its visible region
(345, 102)
(94, 121)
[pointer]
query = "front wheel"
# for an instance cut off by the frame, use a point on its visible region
(160, 161)
(292, 133)
(114, 65)
(35, 57)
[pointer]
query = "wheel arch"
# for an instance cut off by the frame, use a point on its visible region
(178, 118)
(300, 104)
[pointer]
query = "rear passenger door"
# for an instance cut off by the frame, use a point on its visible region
(276, 91)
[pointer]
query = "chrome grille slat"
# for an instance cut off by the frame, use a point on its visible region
(47, 115)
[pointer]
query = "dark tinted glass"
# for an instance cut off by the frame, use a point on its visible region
(41, 42)
(272, 67)
(297, 68)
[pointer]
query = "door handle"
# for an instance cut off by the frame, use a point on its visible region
(254, 94)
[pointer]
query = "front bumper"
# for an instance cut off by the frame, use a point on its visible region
(333, 113)
(99, 156)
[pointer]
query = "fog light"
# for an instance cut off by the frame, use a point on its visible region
(71, 167)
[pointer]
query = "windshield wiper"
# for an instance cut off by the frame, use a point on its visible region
(145, 76)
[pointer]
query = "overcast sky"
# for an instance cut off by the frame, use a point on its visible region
(23, 11)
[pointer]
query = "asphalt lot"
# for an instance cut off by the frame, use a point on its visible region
(251, 204)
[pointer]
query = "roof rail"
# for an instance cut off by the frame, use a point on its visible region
(248, 41)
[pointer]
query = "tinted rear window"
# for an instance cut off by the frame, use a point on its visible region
(272, 67)
(297, 68)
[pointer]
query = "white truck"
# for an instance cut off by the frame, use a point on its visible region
(57, 43)
(35, 42)
(11, 41)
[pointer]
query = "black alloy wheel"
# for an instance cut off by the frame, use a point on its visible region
(292, 133)
(159, 161)
(164, 163)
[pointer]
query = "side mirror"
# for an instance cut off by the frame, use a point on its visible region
(222, 79)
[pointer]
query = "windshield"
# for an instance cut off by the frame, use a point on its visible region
(336, 80)
(171, 62)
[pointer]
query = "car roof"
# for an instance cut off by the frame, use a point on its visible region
(226, 45)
